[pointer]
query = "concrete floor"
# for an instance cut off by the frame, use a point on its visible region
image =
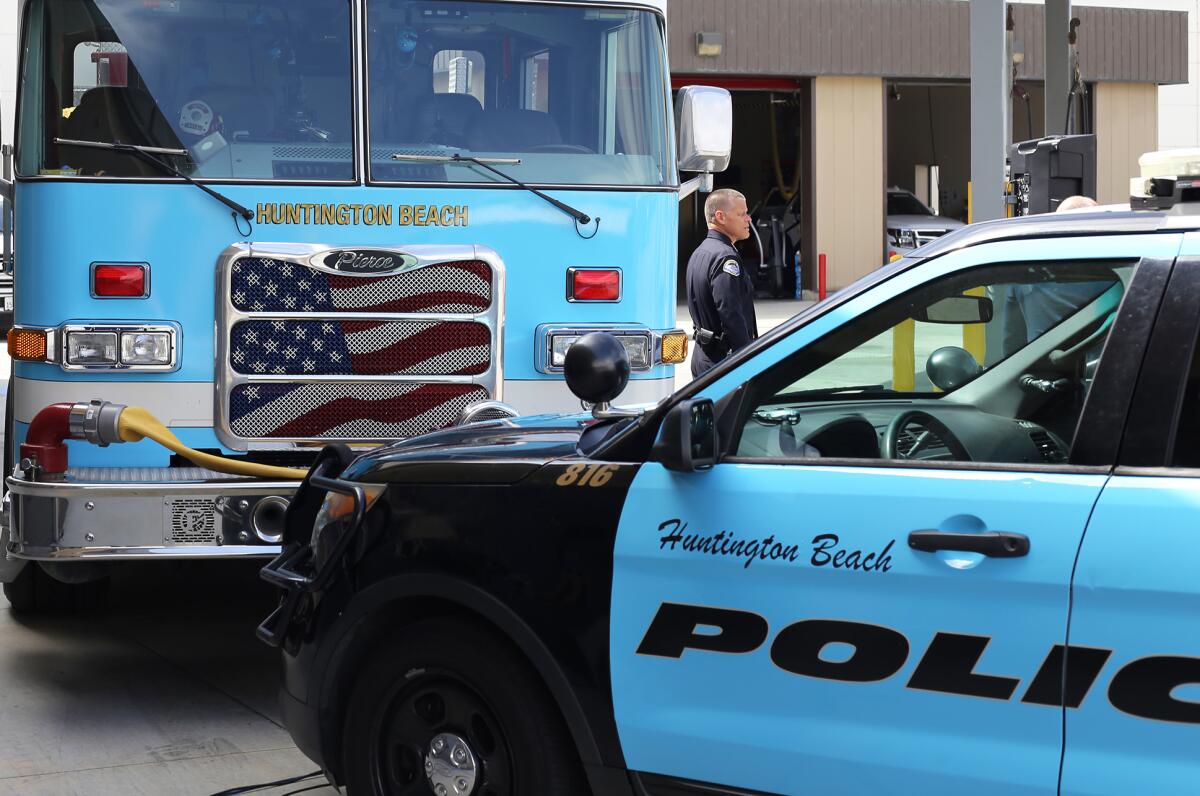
(166, 691)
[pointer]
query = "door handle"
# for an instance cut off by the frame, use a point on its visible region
(997, 544)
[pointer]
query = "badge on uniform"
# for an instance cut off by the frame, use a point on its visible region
(731, 267)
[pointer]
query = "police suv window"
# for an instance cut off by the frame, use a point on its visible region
(991, 365)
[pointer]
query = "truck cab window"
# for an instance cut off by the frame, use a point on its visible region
(250, 90)
(577, 94)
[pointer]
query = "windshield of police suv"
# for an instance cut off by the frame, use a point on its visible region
(252, 89)
(888, 349)
(577, 93)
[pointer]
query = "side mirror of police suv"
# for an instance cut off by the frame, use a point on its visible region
(688, 440)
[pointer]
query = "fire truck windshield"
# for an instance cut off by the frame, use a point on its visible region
(577, 93)
(257, 90)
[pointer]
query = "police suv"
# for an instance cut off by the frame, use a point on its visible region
(939, 534)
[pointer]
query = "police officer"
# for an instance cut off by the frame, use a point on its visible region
(720, 293)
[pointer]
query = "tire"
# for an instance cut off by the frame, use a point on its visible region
(35, 592)
(453, 676)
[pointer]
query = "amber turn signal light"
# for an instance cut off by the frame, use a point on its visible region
(674, 348)
(28, 345)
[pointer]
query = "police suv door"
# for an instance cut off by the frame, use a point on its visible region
(784, 623)
(1133, 722)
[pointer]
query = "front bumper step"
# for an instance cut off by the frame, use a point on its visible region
(125, 513)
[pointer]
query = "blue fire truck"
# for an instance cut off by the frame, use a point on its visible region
(273, 224)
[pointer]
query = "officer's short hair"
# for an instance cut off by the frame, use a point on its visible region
(720, 199)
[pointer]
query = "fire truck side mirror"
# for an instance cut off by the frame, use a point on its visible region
(704, 124)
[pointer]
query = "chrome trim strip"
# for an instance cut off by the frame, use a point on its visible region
(33, 553)
(300, 254)
(119, 489)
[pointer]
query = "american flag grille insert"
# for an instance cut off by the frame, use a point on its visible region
(291, 410)
(360, 348)
(264, 284)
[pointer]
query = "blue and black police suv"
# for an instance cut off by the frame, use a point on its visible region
(939, 534)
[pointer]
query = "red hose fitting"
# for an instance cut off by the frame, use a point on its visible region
(44, 442)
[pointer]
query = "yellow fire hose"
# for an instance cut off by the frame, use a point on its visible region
(136, 424)
(103, 423)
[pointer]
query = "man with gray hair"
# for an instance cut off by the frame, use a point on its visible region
(720, 294)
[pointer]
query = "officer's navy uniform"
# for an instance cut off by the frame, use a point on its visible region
(720, 296)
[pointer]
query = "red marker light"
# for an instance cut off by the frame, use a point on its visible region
(593, 284)
(120, 281)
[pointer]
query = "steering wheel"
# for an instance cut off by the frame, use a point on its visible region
(932, 427)
(569, 149)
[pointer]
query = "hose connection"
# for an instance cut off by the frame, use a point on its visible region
(98, 422)
(103, 423)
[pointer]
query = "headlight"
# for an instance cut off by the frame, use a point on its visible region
(92, 348)
(335, 509)
(145, 348)
(637, 346)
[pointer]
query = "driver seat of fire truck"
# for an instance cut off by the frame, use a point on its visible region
(510, 130)
(116, 113)
(444, 118)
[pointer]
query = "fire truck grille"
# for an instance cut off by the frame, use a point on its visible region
(262, 284)
(313, 355)
(360, 348)
(347, 411)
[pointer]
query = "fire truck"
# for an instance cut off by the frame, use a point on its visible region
(250, 228)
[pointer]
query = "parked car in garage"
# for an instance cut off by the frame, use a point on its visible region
(911, 223)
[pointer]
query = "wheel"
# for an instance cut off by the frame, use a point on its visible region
(33, 591)
(889, 447)
(448, 702)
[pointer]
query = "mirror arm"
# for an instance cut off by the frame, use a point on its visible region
(702, 183)
(605, 411)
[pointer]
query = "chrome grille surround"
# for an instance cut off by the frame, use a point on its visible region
(478, 380)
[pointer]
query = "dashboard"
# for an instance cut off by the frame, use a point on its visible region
(926, 430)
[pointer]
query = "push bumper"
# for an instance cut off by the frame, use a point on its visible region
(143, 513)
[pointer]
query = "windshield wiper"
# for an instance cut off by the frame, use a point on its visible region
(578, 215)
(147, 154)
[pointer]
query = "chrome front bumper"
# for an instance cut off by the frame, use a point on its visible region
(141, 513)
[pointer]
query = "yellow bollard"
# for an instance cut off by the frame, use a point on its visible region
(975, 334)
(904, 356)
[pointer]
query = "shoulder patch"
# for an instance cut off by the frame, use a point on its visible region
(731, 267)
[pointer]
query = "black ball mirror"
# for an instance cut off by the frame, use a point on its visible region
(950, 367)
(597, 368)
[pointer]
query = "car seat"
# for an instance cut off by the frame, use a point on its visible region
(111, 114)
(513, 131)
(444, 118)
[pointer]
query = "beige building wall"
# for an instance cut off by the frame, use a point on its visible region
(1126, 128)
(848, 175)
